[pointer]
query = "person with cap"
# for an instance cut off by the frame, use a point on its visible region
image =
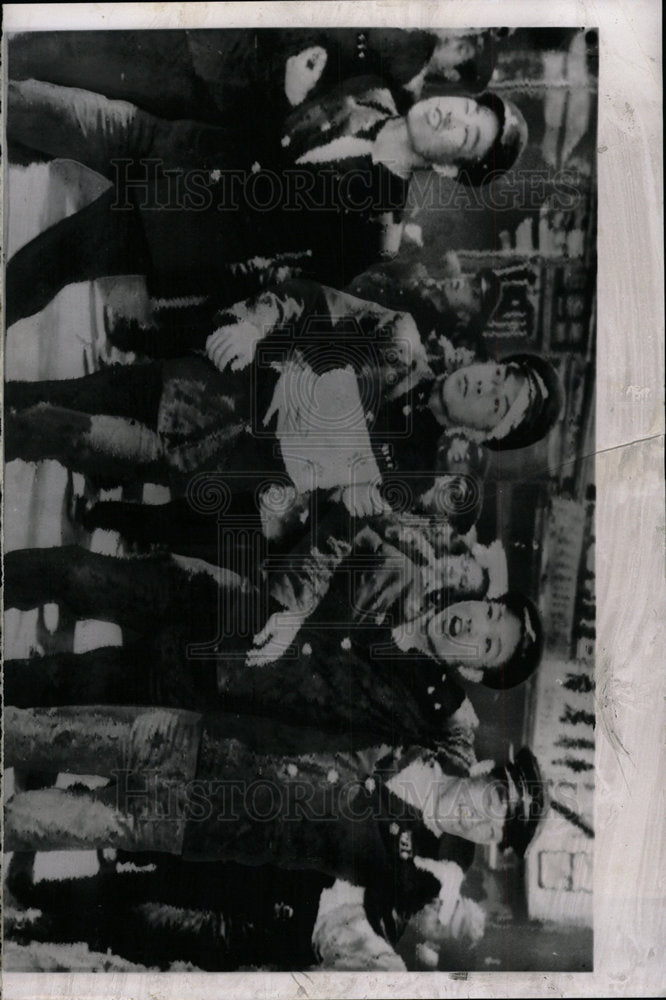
(156, 909)
(503, 806)
(454, 306)
(504, 404)
(204, 637)
(216, 74)
(342, 168)
(350, 402)
(219, 787)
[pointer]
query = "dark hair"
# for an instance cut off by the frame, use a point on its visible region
(527, 655)
(458, 497)
(522, 816)
(544, 409)
(473, 74)
(510, 141)
(439, 599)
(475, 465)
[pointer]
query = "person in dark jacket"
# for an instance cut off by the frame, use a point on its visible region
(455, 306)
(214, 75)
(206, 637)
(223, 788)
(155, 909)
(338, 394)
(191, 203)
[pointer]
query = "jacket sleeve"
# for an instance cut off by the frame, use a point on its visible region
(283, 307)
(300, 580)
(384, 343)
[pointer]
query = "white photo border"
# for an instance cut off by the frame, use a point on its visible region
(630, 501)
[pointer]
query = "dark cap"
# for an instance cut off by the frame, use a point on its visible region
(546, 401)
(507, 147)
(529, 651)
(527, 800)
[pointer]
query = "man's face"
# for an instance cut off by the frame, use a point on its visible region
(474, 633)
(480, 395)
(473, 808)
(463, 573)
(451, 51)
(450, 129)
(454, 454)
(467, 922)
(463, 295)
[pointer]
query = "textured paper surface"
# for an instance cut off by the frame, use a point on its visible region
(628, 879)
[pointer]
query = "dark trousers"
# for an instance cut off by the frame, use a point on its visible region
(151, 69)
(94, 242)
(129, 391)
(124, 231)
(103, 425)
(177, 619)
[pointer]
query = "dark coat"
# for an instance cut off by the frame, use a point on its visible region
(216, 421)
(211, 75)
(270, 194)
(259, 798)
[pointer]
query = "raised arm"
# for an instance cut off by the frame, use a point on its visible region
(238, 329)
(315, 318)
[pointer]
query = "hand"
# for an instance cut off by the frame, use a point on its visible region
(233, 346)
(364, 500)
(274, 639)
(302, 73)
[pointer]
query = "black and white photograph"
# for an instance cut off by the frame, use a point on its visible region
(300, 497)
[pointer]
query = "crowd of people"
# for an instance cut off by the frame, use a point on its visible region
(288, 729)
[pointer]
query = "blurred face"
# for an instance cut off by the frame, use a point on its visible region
(473, 808)
(463, 295)
(479, 396)
(449, 129)
(454, 454)
(463, 573)
(474, 633)
(451, 50)
(467, 922)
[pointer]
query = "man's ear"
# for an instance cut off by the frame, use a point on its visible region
(473, 674)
